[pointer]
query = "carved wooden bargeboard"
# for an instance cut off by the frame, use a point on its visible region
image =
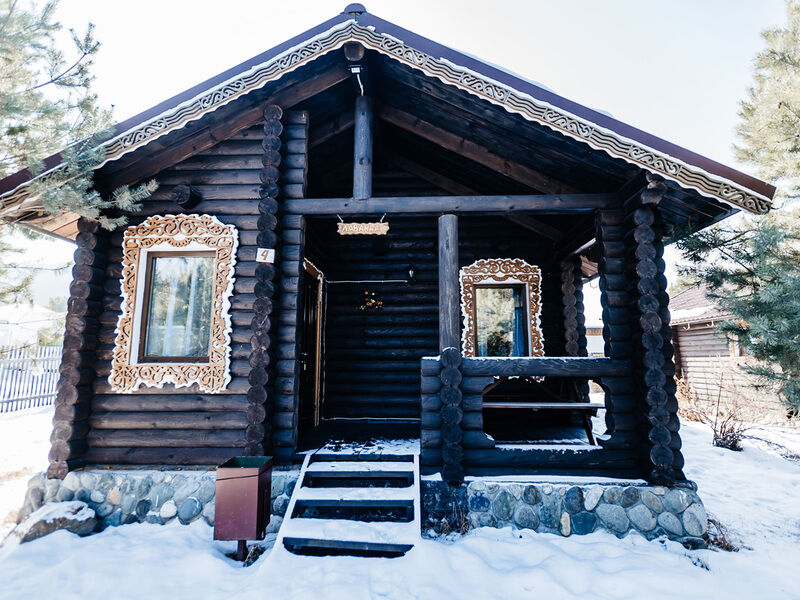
(175, 232)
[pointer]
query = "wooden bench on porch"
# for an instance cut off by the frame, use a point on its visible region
(576, 401)
(586, 410)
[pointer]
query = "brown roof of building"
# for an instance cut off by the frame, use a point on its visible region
(694, 306)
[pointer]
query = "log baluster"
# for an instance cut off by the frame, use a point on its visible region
(573, 312)
(451, 415)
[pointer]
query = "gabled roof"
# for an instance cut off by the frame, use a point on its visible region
(694, 306)
(532, 102)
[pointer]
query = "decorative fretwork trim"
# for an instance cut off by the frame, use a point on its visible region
(465, 79)
(175, 231)
(501, 270)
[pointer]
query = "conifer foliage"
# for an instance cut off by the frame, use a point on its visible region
(769, 127)
(47, 106)
(751, 266)
(751, 269)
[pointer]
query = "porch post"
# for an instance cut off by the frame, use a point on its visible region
(655, 370)
(362, 149)
(449, 329)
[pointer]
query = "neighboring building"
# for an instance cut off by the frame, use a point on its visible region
(595, 344)
(711, 363)
(296, 280)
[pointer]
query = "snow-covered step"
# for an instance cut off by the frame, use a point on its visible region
(313, 547)
(351, 531)
(359, 473)
(306, 493)
(354, 504)
(367, 510)
(354, 456)
(360, 466)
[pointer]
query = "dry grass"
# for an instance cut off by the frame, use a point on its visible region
(732, 415)
(719, 536)
(457, 523)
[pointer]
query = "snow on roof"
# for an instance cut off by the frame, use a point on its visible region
(694, 306)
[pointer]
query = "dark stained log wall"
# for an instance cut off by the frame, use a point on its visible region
(287, 382)
(621, 401)
(185, 426)
(260, 396)
(372, 357)
(74, 391)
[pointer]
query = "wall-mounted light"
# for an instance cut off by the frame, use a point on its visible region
(412, 273)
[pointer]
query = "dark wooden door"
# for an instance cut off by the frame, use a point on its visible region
(311, 348)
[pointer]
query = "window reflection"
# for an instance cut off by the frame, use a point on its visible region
(179, 302)
(501, 321)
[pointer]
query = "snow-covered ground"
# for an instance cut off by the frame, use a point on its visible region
(24, 444)
(754, 492)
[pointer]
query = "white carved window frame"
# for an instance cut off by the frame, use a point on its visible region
(501, 271)
(179, 233)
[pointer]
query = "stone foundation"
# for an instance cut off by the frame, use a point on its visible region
(567, 509)
(147, 495)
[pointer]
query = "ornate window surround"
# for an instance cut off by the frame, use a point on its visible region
(493, 271)
(174, 233)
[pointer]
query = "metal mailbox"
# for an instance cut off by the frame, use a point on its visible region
(242, 500)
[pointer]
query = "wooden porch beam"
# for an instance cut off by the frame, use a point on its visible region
(474, 152)
(454, 187)
(546, 366)
(421, 205)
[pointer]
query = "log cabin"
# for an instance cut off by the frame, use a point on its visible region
(713, 365)
(364, 232)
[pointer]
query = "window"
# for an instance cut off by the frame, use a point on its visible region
(177, 318)
(177, 279)
(501, 321)
(500, 305)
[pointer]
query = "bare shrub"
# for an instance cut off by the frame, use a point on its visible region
(720, 537)
(732, 415)
(725, 415)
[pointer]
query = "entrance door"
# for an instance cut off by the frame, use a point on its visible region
(311, 348)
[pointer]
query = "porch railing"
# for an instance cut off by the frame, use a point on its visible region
(28, 377)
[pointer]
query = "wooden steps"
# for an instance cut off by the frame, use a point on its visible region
(354, 504)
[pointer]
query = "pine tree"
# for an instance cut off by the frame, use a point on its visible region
(751, 266)
(769, 127)
(47, 106)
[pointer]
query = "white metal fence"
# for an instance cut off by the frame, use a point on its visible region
(28, 377)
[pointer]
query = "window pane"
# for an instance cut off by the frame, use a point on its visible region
(500, 321)
(179, 311)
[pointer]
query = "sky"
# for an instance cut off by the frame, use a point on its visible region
(676, 69)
